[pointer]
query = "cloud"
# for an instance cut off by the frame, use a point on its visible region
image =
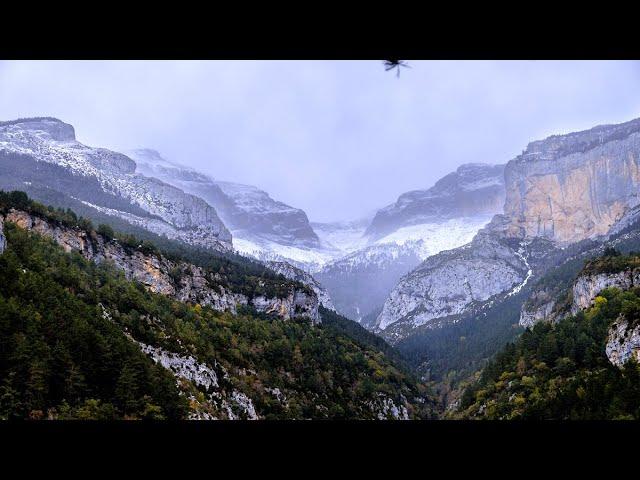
(338, 139)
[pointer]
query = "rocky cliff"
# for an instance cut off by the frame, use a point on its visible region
(3, 240)
(446, 284)
(576, 186)
(44, 152)
(587, 287)
(473, 189)
(623, 342)
(293, 273)
(561, 190)
(183, 281)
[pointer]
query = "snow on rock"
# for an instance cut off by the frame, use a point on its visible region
(250, 213)
(427, 239)
(345, 237)
(307, 259)
(52, 141)
(473, 189)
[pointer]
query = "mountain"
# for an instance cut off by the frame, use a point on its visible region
(261, 226)
(581, 366)
(559, 191)
(43, 157)
(94, 327)
(398, 237)
(474, 189)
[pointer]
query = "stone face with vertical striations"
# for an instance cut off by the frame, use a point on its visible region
(572, 187)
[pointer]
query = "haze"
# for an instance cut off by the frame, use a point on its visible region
(338, 139)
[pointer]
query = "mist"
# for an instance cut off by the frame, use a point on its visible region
(338, 139)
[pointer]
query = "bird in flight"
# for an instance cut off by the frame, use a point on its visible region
(391, 64)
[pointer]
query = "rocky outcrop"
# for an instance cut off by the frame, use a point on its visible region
(539, 307)
(473, 189)
(587, 287)
(387, 409)
(186, 367)
(180, 280)
(3, 241)
(293, 273)
(448, 283)
(576, 186)
(45, 152)
(623, 342)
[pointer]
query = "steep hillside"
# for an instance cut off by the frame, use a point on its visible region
(568, 370)
(222, 285)
(81, 341)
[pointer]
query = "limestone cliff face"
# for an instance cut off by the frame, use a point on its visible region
(447, 283)
(538, 307)
(571, 187)
(294, 273)
(180, 280)
(623, 342)
(3, 241)
(587, 287)
(541, 304)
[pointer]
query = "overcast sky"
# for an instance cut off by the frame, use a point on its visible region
(338, 139)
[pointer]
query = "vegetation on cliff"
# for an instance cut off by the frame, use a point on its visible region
(561, 371)
(62, 356)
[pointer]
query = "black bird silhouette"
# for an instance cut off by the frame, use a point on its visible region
(391, 64)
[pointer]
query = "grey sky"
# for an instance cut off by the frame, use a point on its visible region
(338, 139)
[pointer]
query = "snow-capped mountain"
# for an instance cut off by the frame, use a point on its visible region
(360, 282)
(418, 225)
(473, 189)
(561, 191)
(43, 154)
(262, 227)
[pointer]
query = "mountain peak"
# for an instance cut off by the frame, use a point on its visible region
(55, 128)
(557, 146)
